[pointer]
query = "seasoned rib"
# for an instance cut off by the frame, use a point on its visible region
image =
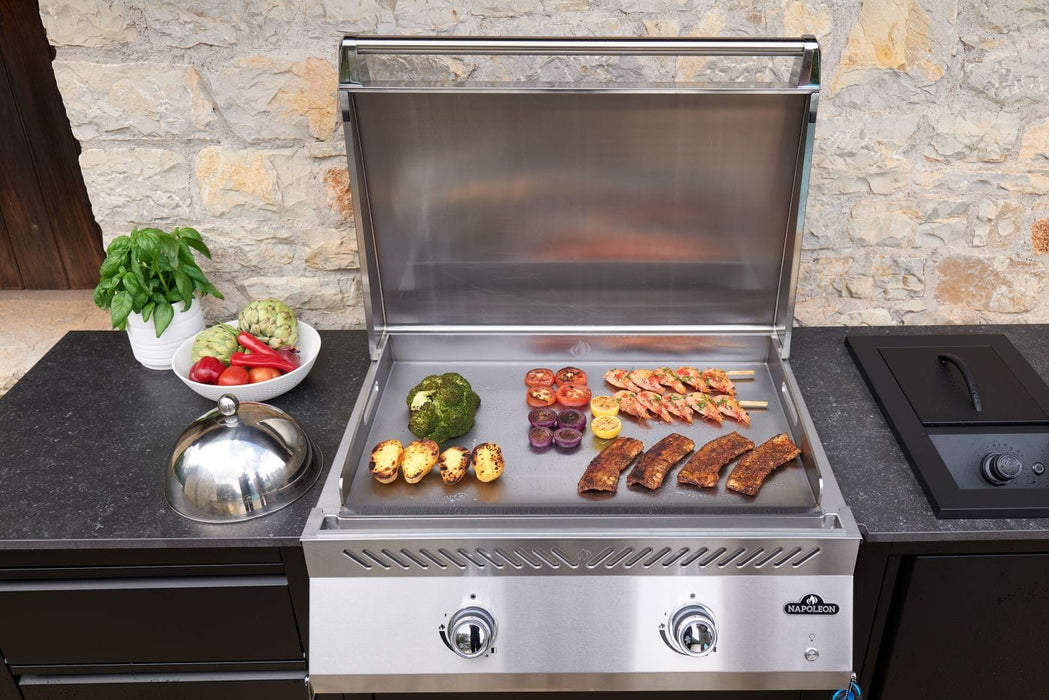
(602, 474)
(750, 472)
(704, 468)
(653, 466)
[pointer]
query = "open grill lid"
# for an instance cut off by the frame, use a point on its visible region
(526, 206)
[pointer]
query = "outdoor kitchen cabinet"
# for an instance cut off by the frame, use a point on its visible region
(961, 621)
(166, 623)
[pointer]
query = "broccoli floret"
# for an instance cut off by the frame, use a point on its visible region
(442, 407)
(426, 387)
(450, 395)
(423, 421)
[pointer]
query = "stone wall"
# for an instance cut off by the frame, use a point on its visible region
(930, 173)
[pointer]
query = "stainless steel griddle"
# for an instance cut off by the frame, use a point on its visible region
(543, 482)
(517, 223)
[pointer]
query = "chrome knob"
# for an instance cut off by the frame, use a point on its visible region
(471, 632)
(693, 631)
(1000, 468)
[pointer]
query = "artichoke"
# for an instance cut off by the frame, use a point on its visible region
(271, 321)
(218, 341)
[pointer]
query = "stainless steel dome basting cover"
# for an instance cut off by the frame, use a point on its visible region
(240, 461)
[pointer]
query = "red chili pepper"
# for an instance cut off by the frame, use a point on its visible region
(290, 354)
(254, 344)
(261, 359)
(206, 370)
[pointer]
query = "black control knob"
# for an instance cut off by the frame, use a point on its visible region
(1001, 468)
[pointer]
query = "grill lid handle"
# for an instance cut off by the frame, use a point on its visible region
(804, 48)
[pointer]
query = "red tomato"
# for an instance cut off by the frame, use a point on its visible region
(262, 374)
(539, 377)
(571, 375)
(540, 396)
(574, 395)
(233, 376)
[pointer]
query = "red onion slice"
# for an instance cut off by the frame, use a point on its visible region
(567, 437)
(543, 417)
(540, 436)
(571, 418)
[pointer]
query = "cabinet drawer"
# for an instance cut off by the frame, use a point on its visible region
(148, 620)
(213, 686)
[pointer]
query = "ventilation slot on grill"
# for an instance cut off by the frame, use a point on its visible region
(751, 557)
(784, 559)
(547, 561)
(695, 555)
(393, 557)
(473, 560)
(381, 562)
(596, 561)
(429, 555)
(728, 560)
(505, 557)
(531, 562)
(674, 557)
(707, 561)
(412, 558)
(612, 562)
(356, 560)
(765, 560)
(564, 558)
(805, 557)
(656, 557)
(450, 557)
(637, 557)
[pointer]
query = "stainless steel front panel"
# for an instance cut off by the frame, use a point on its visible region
(579, 633)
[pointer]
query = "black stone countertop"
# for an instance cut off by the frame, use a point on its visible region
(87, 432)
(874, 476)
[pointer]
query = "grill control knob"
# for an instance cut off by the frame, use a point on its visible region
(693, 631)
(471, 632)
(1000, 468)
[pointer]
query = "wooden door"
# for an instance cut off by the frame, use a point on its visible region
(48, 236)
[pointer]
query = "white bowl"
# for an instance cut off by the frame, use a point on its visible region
(309, 347)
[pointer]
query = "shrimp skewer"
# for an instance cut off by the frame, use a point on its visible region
(645, 379)
(654, 402)
(678, 405)
(666, 377)
(628, 403)
(719, 381)
(694, 378)
(704, 405)
(731, 408)
(619, 379)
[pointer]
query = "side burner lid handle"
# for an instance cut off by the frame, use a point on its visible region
(970, 380)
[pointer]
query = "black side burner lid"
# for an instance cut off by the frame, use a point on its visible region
(938, 392)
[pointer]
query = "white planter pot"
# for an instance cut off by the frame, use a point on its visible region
(154, 352)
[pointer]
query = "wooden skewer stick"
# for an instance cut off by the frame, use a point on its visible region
(753, 404)
(740, 373)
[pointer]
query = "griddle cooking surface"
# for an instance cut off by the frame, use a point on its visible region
(544, 482)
